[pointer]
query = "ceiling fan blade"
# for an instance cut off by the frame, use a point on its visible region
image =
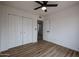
(46, 10)
(37, 8)
(52, 5)
(39, 2)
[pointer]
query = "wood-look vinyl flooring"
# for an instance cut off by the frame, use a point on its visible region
(40, 49)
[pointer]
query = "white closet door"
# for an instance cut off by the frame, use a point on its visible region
(15, 29)
(27, 30)
(19, 31)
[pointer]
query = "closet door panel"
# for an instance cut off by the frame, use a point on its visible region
(12, 36)
(27, 30)
(14, 31)
(29, 23)
(19, 31)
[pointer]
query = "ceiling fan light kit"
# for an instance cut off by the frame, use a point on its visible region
(44, 5)
(43, 8)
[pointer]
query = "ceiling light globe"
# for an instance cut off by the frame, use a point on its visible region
(43, 8)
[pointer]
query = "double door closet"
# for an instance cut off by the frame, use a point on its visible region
(20, 30)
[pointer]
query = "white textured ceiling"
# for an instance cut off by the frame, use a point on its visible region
(30, 5)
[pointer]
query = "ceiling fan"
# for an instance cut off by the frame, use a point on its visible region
(44, 5)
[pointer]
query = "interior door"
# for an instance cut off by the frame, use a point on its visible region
(15, 29)
(27, 30)
(46, 29)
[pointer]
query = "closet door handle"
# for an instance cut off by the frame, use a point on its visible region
(20, 33)
(24, 32)
(48, 31)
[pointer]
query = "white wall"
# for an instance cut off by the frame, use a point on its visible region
(4, 11)
(63, 27)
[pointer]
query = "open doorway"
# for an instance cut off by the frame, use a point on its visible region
(40, 30)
